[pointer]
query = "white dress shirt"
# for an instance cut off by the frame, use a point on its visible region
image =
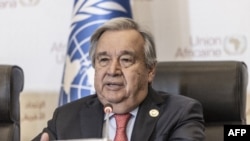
(112, 125)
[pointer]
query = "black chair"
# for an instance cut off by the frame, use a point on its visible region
(11, 84)
(220, 86)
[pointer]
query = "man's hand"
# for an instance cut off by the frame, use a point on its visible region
(45, 137)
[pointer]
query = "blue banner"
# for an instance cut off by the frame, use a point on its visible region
(88, 15)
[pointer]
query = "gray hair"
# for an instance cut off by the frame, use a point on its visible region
(117, 24)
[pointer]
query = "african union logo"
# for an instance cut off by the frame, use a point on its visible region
(235, 45)
(78, 80)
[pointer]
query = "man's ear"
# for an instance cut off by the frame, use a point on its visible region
(151, 73)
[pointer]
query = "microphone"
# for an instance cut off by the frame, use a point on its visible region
(108, 109)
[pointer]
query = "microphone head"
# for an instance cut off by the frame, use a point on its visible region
(108, 108)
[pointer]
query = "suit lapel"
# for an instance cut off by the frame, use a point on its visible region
(145, 122)
(92, 117)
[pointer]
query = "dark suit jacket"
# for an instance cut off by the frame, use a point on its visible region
(180, 119)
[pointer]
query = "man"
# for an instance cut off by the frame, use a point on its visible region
(124, 57)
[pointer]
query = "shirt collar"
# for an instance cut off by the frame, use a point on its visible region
(133, 113)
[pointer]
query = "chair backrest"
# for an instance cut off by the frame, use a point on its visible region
(11, 84)
(220, 86)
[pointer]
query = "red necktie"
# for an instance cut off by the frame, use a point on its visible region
(121, 124)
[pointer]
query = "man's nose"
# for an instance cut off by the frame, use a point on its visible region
(114, 68)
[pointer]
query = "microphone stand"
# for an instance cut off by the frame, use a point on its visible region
(108, 109)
